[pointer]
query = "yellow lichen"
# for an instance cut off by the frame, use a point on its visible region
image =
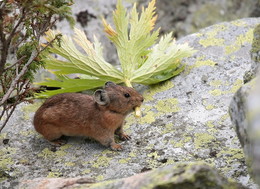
(202, 139)
(168, 105)
(154, 89)
(54, 174)
(216, 92)
(211, 39)
(240, 41)
(101, 161)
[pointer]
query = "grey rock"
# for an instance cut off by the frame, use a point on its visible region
(184, 119)
(182, 176)
(245, 115)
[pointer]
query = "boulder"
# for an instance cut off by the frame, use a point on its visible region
(182, 176)
(185, 119)
(245, 112)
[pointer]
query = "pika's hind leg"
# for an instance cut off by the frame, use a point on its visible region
(53, 135)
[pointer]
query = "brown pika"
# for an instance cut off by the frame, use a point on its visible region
(99, 116)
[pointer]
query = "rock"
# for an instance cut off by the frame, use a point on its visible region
(184, 119)
(245, 115)
(245, 111)
(255, 56)
(182, 176)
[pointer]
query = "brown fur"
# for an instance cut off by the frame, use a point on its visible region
(74, 114)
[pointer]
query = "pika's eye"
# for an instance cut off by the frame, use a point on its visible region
(127, 95)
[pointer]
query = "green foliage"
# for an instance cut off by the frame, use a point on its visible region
(142, 61)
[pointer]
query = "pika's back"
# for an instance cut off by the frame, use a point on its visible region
(62, 107)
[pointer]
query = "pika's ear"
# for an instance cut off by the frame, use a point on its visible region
(101, 97)
(109, 83)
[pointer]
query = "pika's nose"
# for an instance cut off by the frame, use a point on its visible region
(142, 99)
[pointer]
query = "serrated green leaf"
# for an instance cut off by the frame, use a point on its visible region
(142, 60)
(69, 85)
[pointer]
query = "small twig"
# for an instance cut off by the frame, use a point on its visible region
(17, 62)
(23, 71)
(8, 116)
(34, 54)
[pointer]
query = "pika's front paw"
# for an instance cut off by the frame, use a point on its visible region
(116, 147)
(124, 137)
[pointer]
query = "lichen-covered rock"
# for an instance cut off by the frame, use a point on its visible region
(245, 111)
(184, 119)
(245, 115)
(181, 176)
(255, 55)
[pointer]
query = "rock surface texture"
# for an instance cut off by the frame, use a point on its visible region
(184, 175)
(184, 119)
(245, 112)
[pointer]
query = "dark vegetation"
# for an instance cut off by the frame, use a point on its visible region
(22, 25)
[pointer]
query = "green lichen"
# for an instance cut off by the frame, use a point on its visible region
(211, 39)
(240, 41)
(231, 154)
(202, 139)
(216, 92)
(86, 171)
(239, 23)
(69, 164)
(215, 83)
(168, 105)
(54, 174)
(148, 118)
(256, 41)
(46, 153)
(169, 127)
(30, 109)
(100, 178)
(208, 106)
(155, 89)
(200, 63)
(237, 84)
(124, 161)
(101, 161)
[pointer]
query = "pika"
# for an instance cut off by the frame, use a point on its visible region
(99, 117)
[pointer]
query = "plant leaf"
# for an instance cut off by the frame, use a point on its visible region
(166, 55)
(91, 64)
(69, 85)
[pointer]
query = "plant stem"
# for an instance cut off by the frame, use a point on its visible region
(128, 83)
